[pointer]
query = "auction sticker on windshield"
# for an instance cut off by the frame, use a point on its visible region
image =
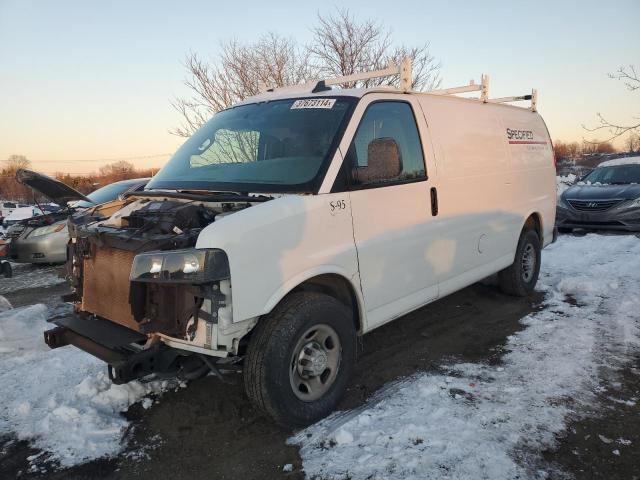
(314, 103)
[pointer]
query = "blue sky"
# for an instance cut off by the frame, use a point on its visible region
(84, 82)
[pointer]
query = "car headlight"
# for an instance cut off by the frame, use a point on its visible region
(180, 266)
(56, 227)
(562, 203)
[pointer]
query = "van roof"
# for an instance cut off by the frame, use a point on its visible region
(305, 91)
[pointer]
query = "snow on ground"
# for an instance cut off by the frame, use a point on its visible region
(482, 421)
(60, 400)
(29, 276)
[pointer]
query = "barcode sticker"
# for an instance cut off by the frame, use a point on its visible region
(314, 103)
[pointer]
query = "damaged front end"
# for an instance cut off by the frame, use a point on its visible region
(145, 299)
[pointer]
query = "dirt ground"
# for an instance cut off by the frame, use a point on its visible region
(210, 430)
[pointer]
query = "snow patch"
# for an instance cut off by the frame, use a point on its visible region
(479, 421)
(60, 400)
(620, 161)
(564, 182)
(5, 304)
(29, 276)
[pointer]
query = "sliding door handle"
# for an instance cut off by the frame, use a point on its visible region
(434, 201)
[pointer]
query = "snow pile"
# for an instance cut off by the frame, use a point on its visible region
(61, 400)
(5, 304)
(563, 182)
(29, 276)
(621, 161)
(481, 421)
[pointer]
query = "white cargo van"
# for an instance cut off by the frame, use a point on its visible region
(301, 218)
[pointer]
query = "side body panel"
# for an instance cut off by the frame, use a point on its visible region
(275, 246)
(485, 194)
(532, 167)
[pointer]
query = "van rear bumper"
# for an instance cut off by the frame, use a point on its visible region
(121, 348)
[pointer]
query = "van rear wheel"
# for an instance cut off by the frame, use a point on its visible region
(521, 277)
(300, 358)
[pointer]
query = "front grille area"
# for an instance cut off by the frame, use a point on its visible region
(106, 285)
(593, 205)
(15, 231)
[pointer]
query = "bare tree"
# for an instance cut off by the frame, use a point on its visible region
(14, 163)
(119, 170)
(632, 143)
(340, 46)
(632, 81)
(238, 73)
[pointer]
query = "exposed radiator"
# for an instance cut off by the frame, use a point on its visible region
(106, 285)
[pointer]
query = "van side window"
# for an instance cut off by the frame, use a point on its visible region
(386, 147)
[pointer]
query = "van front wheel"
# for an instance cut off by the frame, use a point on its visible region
(520, 278)
(300, 358)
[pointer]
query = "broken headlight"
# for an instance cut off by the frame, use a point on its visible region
(192, 265)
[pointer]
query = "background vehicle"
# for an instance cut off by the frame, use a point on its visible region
(6, 208)
(607, 198)
(20, 214)
(302, 217)
(43, 239)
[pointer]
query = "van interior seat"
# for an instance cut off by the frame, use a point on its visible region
(384, 162)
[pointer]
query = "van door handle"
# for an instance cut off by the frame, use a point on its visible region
(434, 201)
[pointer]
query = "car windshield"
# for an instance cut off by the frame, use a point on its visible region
(103, 195)
(614, 175)
(276, 146)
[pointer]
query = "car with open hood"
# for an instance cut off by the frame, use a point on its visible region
(44, 238)
(607, 198)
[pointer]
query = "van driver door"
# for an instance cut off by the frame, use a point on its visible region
(394, 220)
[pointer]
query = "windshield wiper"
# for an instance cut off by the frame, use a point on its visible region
(205, 197)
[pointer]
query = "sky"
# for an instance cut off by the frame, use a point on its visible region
(85, 83)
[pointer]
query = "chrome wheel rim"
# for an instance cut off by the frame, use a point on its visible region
(528, 262)
(315, 362)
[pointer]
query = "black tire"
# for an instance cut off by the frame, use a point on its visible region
(520, 278)
(270, 366)
(565, 230)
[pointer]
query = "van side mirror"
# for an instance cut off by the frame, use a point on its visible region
(384, 162)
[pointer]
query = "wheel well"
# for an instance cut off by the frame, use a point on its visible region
(534, 223)
(337, 287)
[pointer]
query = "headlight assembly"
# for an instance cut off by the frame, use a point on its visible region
(562, 203)
(56, 227)
(180, 266)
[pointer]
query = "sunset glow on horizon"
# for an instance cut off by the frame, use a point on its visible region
(84, 84)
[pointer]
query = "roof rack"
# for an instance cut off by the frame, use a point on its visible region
(483, 88)
(406, 80)
(533, 96)
(403, 71)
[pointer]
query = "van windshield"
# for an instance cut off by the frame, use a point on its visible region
(277, 146)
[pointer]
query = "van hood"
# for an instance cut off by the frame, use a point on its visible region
(603, 192)
(54, 190)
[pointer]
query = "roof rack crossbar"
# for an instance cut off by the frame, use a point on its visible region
(403, 70)
(483, 88)
(533, 96)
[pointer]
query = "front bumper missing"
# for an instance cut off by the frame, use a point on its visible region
(120, 347)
